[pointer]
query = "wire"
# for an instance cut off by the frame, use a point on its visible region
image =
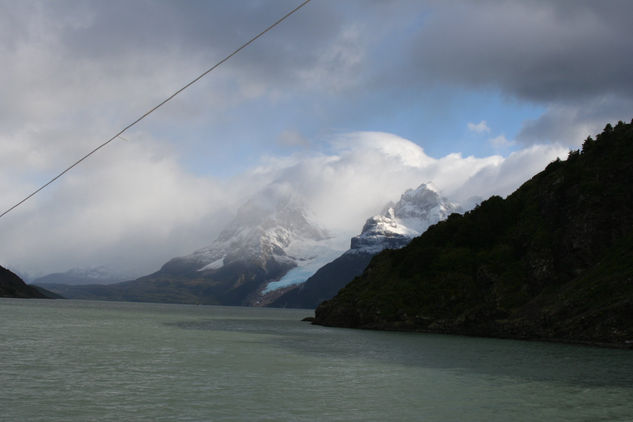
(118, 135)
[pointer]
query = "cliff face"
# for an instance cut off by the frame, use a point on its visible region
(552, 261)
(12, 286)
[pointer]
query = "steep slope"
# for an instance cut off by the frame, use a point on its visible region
(263, 242)
(12, 286)
(552, 261)
(416, 210)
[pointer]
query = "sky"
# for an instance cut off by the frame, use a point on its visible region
(347, 104)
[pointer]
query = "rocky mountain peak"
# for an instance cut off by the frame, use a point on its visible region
(264, 228)
(416, 210)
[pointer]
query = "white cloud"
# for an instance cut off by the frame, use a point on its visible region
(506, 175)
(481, 127)
(292, 138)
(130, 209)
(500, 142)
(368, 169)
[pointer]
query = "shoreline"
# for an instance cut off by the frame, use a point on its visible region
(628, 345)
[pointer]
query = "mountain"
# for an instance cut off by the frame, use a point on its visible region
(554, 260)
(394, 228)
(416, 210)
(79, 276)
(270, 235)
(13, 286)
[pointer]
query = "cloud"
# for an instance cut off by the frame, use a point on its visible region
(120, 59)
(538, 50)
(500, 142)
(567, 56)
(292, 138)
(365, 170)
(132, 208)
(481, 127)
(135, 207)
(506, 175)
(570, 125)
(88, 61)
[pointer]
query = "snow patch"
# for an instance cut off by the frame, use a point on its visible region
(219, 263)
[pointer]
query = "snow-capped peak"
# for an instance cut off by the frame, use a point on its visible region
(416, 210)
(266, 226)
(271, 243)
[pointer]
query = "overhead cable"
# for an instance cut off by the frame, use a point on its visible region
(118, 135)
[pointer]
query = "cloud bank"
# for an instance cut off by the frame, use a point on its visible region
(134, 209)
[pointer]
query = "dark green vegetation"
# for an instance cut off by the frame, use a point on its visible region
(12, 286)
(554, 260)
(325, 283)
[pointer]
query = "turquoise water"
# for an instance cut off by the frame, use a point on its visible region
(106, 361)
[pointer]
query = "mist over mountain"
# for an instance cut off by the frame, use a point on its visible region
(360, 173)
(271, 234)
(394, 228)
(264, 228)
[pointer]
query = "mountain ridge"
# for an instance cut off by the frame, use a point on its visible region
(82, 276)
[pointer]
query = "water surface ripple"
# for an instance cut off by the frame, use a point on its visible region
(108, 361)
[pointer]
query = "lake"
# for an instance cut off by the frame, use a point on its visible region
(65, 360)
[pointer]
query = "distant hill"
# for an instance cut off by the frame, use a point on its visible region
(554, 260)
(82, 276)
(12, 286)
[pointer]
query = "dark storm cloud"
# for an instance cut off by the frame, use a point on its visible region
(536, 50)
(554, 54)
(324, 44)
(202, 30)
(561, 122)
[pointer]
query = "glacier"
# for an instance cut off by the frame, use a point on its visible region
(309, 257)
